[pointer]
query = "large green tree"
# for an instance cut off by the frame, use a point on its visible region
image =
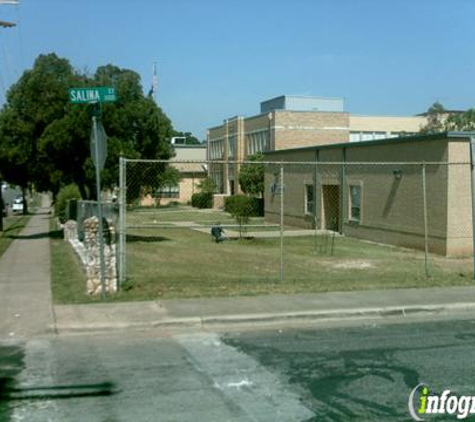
(36, 100)
(45, 140)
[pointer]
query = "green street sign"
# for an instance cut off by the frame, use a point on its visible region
(100, 94)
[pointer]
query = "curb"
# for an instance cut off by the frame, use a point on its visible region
(267, 319)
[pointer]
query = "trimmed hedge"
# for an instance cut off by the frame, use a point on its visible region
(64, 195)
(244, 206)
(72, 209)
(202, 200)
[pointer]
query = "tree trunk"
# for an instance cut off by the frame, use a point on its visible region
(1, 206)
(25, 203)
(83, 191)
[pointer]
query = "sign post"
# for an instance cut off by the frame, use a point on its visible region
(96, 96)
(97, 163)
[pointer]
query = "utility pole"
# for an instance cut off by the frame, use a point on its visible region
(5, 24)
(155, 82)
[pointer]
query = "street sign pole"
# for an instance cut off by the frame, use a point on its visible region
(99, 206)
(95, 96)
(1, 205)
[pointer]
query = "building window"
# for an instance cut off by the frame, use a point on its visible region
(355, 203)
(257, 142)
(355, 136)
(232, 144)
(309, 199)
(379, 135)
(367, 136)
(218, 180)
(216, 149)
(276, 187)
(172, 191)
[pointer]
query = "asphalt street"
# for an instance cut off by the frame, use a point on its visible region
(327, 374)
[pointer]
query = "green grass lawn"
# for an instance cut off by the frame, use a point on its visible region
(68, 279)
(185, 263)
(12, 226)
(175, 262)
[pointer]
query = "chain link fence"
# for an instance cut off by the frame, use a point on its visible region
(200, 228)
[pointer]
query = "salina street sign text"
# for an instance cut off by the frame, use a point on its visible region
(101, 94)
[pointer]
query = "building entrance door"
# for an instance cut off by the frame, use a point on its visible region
(331, 207)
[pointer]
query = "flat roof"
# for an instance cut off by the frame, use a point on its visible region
(177, 146)
(302, 96)
(417, 116)
(385, 141)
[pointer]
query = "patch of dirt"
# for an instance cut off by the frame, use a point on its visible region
(353, 265)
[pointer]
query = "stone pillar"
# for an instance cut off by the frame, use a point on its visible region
(93, 268)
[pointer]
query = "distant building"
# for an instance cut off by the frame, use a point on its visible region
(291, 122)
(191, 175)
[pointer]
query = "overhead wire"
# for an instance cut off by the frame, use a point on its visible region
(9, 72)
(20, 36)
(3, 98)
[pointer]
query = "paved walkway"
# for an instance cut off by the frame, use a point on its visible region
(271, 232)
(25, 293)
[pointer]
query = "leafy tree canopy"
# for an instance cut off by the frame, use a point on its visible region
(44, 140)
(434, 118)
(461, 122)
(251, 176)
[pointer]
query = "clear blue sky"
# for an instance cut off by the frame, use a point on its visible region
(220, 58)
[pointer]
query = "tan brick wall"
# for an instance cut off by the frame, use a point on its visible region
(295, 179)
(459, 202)
(217, 132)
(396, 206)
(392, 208)
(300, 129)
(386, 123)
(218, 201)
(256, 123)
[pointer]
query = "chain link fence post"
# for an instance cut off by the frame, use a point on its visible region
(472, 173)
(122, 211)
(426, 233)
(314, 205)
(282, 192)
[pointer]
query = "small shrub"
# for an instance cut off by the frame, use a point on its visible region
(127, 285)
(207, 185)
(72, 209)
(64, 195)
(202, 200)
(244, 205)
(242, 208)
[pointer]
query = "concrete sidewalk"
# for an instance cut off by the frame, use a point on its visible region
(262, 310)
(25, 292)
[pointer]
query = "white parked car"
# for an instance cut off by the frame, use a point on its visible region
(17, 206)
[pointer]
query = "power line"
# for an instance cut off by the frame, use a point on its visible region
(20, 38)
